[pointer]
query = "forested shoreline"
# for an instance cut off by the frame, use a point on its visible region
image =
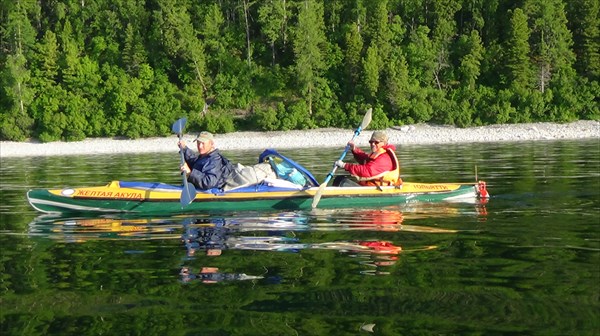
(72, 69)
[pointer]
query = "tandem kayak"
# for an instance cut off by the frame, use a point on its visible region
(269, 194)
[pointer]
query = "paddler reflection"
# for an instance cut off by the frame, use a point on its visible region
(207, 234)
(374, 255)
(213, 236)
(370, 219)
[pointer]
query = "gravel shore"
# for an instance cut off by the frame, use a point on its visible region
(413, 134)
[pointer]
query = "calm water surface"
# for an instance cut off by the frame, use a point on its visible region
(526, 263)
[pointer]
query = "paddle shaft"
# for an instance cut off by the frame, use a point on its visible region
(332, 172)
(365, 122)
(188, 193)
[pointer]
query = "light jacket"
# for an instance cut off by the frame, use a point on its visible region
(208, 171)
(378, 168)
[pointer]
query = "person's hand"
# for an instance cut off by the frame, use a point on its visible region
(351, 145)
(340, 163)
(185, 169)
(181, 144)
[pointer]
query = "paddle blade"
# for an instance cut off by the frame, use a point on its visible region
(188, 193)
(178, 126)
(319, 193)
(367, 119)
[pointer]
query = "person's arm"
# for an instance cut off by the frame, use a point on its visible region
(189, 156)
(381, 164)
(359, 155)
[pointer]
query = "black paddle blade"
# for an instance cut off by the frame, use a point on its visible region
(178, 126)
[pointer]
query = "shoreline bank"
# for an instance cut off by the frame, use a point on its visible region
(420, 134)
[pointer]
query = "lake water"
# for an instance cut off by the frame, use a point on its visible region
(525, 263)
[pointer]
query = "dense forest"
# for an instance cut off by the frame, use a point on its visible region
(71, 69)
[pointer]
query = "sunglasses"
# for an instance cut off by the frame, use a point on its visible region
(374, 142)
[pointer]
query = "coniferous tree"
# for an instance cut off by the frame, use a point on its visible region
(469, 67)
(583, 17)
(552, 43)
(517, 52)
(273, 16)
(17, 39)
(309, 49)
(443, 29)
(354, 46)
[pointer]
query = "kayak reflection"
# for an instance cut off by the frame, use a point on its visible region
(392, 219)
(372, 238)
(82, 229)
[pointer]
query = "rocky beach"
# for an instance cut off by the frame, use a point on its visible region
(423, 134)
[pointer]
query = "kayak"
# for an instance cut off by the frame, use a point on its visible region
(294, 190)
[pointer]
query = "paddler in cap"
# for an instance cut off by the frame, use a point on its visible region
(209, 168)
(378, 168)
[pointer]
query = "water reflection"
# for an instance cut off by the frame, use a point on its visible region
(115, 226)
(520, 268)
(213, 275)
(82, 229)
(371, 238)
(212, 237)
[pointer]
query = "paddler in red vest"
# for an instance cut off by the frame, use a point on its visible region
(379, 168)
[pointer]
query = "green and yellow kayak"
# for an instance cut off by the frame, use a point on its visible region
(155, 198)
(143, 197)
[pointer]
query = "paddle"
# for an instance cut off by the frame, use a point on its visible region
(189, 191)
(365, 122)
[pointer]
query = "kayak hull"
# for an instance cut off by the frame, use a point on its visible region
(154, 198)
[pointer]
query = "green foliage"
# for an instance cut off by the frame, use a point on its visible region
(460, 110)
(583, 19)
(14, 126)
(517, 59)
(266, 118)
(327, 110)
(15, 123)
(380, 119)
(217, 122)
(371, 71)
(129, 68)
(309, 51)
(296, 116)
(500, 110)
(590, 100)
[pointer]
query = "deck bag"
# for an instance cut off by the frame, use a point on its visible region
(286, 171)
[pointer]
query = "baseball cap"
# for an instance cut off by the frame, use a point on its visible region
(379, 136)
(204, 136)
